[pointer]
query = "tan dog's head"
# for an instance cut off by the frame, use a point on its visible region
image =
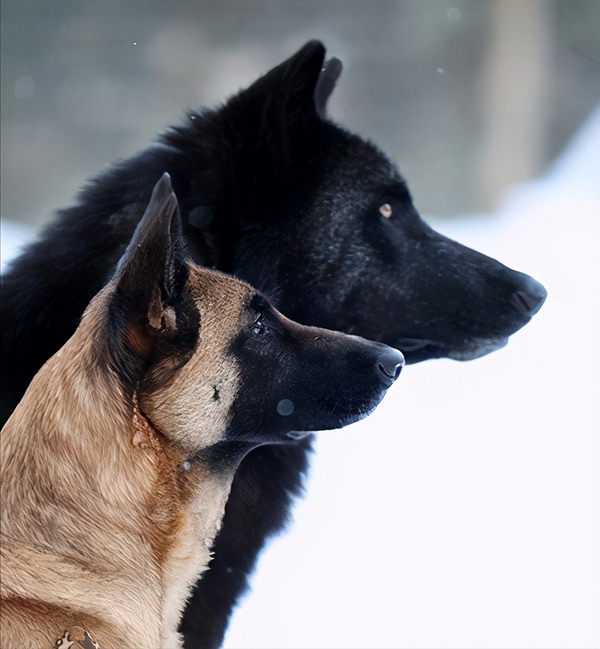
(214, 365)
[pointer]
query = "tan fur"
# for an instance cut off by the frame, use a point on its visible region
(198, 420)
(105, 525)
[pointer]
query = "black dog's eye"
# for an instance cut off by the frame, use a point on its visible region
(259, 328)
(386, 211)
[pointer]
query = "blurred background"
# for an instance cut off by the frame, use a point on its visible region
(466, 511)
(467, 96)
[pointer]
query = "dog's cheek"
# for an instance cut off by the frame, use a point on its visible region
(193, 407)
(264, 406)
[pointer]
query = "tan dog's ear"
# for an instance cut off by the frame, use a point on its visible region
(148, 311)
(152, 270)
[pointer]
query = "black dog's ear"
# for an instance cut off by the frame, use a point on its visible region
(328, 77)
(291, 86)
(271, 120)
(276, 118)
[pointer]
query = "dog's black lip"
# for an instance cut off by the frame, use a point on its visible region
(414, 344)
(338, 417)
(350, 415)
(416, 350)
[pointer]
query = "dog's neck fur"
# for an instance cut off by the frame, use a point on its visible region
(95, 491)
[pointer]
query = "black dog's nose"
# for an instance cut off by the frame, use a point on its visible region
(530, 296)
(389, 365)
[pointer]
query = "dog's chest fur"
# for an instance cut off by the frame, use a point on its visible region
(137, 536)
(188, 554)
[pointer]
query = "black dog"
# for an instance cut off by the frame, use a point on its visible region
(313, 216)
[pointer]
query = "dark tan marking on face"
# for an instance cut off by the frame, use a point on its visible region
(193, 407)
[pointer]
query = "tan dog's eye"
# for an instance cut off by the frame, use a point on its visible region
(386, 210)
(259, 328)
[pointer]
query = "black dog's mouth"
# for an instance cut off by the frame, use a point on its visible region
(416, 350)
(479, 348)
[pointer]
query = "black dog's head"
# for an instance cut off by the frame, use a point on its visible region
(322, 221)
(213, 362)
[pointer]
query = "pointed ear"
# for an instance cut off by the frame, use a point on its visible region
(271, 120)
(152, 270)
(278, 118)
(290, 87)
(150, 318)
(328, 77)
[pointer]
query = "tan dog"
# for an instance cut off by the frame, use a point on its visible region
(117, 464)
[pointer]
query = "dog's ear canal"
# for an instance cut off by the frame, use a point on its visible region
(148, 302)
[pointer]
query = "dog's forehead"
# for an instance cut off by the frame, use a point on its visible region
(218, 295)
(353, 179)
(364, 160)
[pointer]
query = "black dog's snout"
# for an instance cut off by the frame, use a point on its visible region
(530, 296)
(389, 365)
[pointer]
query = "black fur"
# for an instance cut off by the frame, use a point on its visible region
(271, 191)
(318, 366)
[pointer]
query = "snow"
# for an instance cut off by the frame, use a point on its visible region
(465, 512)
(13, 236)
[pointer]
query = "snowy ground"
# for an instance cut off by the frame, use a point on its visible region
(465, 512)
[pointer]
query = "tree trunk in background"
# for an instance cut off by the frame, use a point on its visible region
(514, 95)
